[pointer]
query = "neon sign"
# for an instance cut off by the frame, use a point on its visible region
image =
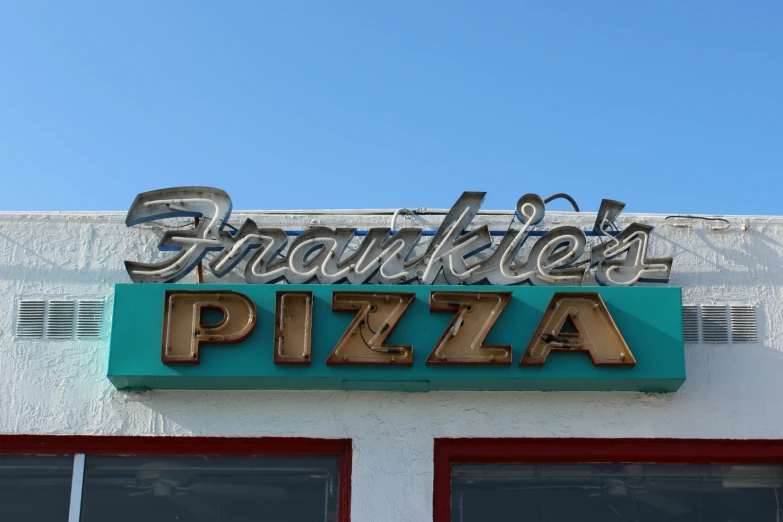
(392, 337)
(461, 254)
(475, 313)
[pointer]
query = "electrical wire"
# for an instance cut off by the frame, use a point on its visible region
(365, 322)
(562, 195)
(379, 350)
(726, 222)
(172, 227)
(361, 334)
(559, 195)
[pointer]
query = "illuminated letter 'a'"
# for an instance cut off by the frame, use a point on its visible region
(578, 322)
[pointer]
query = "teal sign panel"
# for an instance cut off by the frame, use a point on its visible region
(649, 319)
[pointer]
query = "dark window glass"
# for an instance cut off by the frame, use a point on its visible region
(615, 493)
(35, 487)
(210, 489)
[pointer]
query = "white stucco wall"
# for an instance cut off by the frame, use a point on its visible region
(59, 387)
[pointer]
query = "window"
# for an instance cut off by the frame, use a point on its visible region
(210, 489)
(183, 479)
(621, 492)
(35, 487)
(613, 480)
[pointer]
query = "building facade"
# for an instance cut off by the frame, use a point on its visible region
(386, 454)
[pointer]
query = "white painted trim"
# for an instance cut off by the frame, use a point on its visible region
(77, 483)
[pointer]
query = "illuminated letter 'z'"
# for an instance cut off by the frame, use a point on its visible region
(463, 340)
(363, 342)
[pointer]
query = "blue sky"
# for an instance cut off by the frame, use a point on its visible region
(669, 106)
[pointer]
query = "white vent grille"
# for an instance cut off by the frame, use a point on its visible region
(89, 319)
(743, 324)
(690, 323)
(59, 319)
(714, 324)
(30, 319)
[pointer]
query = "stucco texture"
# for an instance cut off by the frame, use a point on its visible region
(60, 387)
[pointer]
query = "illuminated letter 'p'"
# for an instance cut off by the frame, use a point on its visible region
(184, 328)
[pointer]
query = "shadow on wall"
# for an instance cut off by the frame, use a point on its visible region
(752, 250)
(51, 271)
(59, 275)
(756, 251)
(57, 246)
(738, 380)
(731, 391)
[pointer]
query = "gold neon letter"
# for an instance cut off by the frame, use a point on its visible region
(363, 341)
(463, 340)
(183, 330)
(578, 322)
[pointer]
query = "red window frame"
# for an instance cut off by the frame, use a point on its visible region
(125, 445)
(580, 450)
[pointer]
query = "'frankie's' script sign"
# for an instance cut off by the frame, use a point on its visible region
(321, 254)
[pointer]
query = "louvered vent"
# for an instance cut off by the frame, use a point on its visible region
(89, 319)
(714, 324)
(59, 319)
(743, 324)
(690, 323)
(30, 319)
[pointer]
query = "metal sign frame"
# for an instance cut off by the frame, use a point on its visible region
(648, 319)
